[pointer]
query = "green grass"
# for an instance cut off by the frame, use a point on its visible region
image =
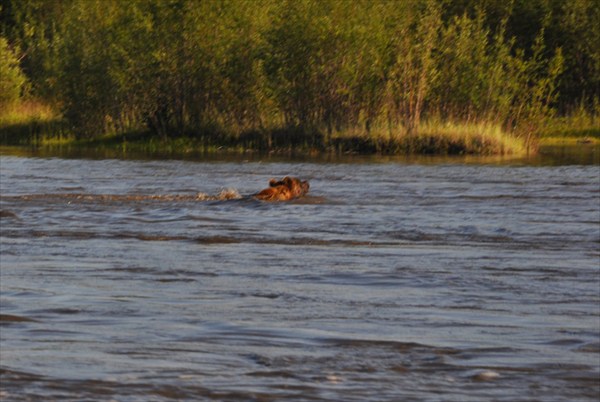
(35, 124)
(433, 137)
(26, 113)
(562, 135)
(32, 123)
(579, 127)
(474, 138)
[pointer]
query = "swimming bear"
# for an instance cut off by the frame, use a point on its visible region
(283, 190)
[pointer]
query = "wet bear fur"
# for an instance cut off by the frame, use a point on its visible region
(284, 190)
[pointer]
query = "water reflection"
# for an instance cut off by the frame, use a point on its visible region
(554, 155)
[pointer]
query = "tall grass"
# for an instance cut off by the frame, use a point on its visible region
(433, 137)
(32, 122)
(482, 138)
(579, 126)
(35, 123)
(27, 111)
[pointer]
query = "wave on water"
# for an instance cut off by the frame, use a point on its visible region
(8, 214)
(10, 318)
(223, 195)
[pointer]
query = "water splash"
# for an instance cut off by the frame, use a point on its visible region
(223, 195)
(229, 194)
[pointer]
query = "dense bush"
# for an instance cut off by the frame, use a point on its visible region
(231, 68)
(12, 79)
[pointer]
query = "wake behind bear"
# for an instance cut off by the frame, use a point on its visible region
(285, 189)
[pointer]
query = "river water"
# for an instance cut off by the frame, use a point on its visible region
(394, 280)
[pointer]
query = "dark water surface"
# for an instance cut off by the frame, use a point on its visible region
(150, 280)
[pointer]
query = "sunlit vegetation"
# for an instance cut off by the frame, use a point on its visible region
(579, 126)
(420, 76)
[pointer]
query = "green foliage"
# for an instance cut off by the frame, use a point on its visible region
(12, 79)
(414, 68)
(574, 26)
(232, 70)
(34, 27)
(468, 77)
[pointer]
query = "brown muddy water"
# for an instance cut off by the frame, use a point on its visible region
(395, 280)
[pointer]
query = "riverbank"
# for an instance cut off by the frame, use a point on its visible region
(571, 137)
(34, 124)
(46, 131)
(579, 127)
(453, 141)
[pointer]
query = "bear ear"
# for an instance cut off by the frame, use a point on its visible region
(273, 183)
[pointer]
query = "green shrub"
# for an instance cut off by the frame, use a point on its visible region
(12, 80)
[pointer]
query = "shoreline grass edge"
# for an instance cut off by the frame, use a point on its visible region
(36, 125)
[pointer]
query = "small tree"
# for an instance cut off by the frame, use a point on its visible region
(12, 79)
(538, 77)
(411, 76)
